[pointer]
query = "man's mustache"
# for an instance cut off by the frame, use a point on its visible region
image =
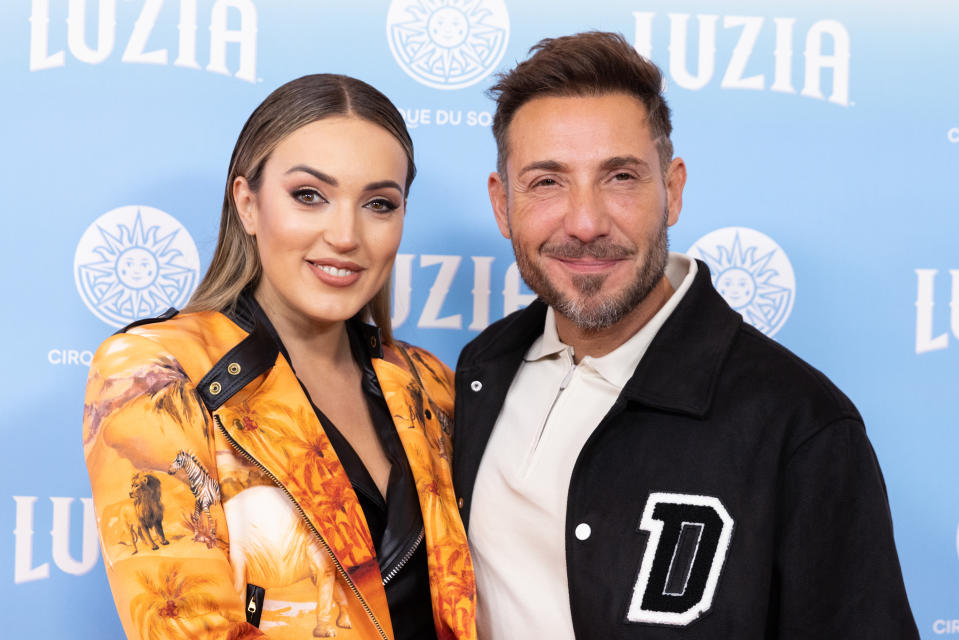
(602, 249)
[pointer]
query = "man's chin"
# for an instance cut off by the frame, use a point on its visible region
(591, 313)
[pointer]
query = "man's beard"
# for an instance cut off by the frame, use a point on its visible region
(588, 309)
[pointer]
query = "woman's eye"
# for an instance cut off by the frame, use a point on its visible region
(381, 205)
(308, 196)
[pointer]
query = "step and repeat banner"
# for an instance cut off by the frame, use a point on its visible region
(821, 138)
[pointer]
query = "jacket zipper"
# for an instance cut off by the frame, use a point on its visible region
(309, 524)
(406, 558)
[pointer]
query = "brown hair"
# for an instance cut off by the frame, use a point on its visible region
(236, 263)
(585, 64)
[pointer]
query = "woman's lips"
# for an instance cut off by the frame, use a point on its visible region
(335, 273)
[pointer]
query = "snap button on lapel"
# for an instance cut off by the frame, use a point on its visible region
(215, 388)
(459, 503)
(476, 385)
(233, 369)
(373, 342)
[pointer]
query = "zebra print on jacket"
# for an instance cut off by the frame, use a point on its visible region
(205, 489)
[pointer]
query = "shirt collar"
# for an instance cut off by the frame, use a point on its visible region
(548, 344)
(618, 366)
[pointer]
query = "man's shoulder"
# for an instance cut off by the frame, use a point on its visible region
(767, 367)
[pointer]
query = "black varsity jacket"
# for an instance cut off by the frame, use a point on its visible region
(730, 492)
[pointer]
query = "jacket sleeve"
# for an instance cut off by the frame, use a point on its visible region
(837, 572)
(148, 445)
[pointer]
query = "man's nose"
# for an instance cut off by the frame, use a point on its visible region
(587, 217)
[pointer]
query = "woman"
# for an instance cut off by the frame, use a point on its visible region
(265, 464)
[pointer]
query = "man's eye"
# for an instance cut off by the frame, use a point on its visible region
(544, 182)
(622, 176)
(381, 205)
(308, 196)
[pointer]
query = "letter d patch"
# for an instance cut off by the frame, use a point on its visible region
(689, 537)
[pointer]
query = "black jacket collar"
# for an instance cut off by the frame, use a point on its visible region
(679, 370)
(247, 312)
(257, 353)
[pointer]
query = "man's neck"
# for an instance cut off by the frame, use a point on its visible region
(598, 343)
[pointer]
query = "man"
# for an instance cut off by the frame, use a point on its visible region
(632, 460)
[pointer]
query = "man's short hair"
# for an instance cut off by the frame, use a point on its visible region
(593, 63)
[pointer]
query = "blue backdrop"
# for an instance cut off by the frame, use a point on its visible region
(822, 142)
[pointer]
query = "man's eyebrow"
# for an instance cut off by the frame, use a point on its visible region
(542, 165)
(609, 164)
(617, 162)
(319, 175)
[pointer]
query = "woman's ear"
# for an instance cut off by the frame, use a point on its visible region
(245, 200)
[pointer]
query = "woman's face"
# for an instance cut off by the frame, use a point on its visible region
(328, 218)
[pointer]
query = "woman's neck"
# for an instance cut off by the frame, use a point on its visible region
(325, 344)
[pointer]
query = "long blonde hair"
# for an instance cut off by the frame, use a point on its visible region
(236, 262)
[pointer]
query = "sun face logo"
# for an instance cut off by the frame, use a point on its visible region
(135, 262)
(752, 273)
(447, 44)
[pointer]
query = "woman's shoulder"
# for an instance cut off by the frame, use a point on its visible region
(173, 324)
(195, 338)
(425, 366)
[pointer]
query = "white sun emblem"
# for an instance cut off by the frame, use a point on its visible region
(752, 273)
(135, 262)
(447, 44)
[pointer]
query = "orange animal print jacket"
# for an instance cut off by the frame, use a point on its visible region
(211, 473)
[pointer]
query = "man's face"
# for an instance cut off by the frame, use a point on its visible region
(587, 205)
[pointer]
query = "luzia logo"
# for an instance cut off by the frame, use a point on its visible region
(447, 44)
(752, 273)
(135, 262)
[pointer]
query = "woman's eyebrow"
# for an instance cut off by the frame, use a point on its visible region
(319, 175)
(333, 182)
(383, 184)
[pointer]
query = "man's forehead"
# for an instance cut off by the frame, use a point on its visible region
(593, 129)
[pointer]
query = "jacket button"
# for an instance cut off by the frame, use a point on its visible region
(459, 503)
(476, 385)
(583, 531)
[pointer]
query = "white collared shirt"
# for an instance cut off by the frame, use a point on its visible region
(518, 514)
